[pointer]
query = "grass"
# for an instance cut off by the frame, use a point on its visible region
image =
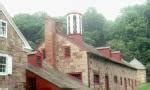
(145, 86)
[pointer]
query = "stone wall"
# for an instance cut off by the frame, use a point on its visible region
(106, 68)
(12, 45)
(141, 76)
(74, 64)
(78, 62)
(87, 64)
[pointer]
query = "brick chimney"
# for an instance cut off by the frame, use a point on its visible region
(50, 41)
(105, 51)
(116, 55)
(74, 26)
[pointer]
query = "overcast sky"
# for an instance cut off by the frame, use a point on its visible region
(109, 8)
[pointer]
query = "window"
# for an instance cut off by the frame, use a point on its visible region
(3, 28)
(44, 54)
(67, 52)
(74, 24)
(2, 64)
(115, 79)
(68, 24)
(39, 61)
(5, 64)
(121, 80)
(77, 75)
(96, 78)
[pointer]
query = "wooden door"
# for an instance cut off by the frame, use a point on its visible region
(125, 83)
(106, 83)
(31, 84)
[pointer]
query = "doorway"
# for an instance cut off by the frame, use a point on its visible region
(125, 83)
(31, 85)
(106, 82)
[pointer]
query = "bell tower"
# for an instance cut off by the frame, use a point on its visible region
(74, 25)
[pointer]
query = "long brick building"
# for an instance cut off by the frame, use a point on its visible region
(62, 61)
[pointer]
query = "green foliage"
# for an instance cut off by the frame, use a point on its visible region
(148, 71)
(129, 33)
(32, 26)
(145, 86)
(93, 25)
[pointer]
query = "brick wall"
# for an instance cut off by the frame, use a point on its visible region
(50, 37)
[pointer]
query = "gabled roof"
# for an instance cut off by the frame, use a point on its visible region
(90, 49)
(59, 79)
(137, 64)
(26, 44)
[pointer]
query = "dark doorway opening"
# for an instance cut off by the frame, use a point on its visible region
(106, 82)
(125, 83)
(31, 85)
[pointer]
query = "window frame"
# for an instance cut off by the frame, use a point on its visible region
(5, 35)
(115, 79)
(64, 52)
(8, 68)
(74, 74)
(96, 78)
(121, 82)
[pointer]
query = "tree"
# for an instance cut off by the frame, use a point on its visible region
(93, 25)
(32, 26)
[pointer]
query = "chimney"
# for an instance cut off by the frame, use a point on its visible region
(105, 51)
(74, 26)
(116, 55)
(50, 41)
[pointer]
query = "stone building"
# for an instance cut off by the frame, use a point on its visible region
(141, 72)
(20, 71)
(61, 62)
(13, 54)
(98, 68)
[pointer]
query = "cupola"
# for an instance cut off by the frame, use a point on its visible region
(74, 25)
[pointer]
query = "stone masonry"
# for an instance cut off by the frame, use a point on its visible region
(13, 46)
(81, 61)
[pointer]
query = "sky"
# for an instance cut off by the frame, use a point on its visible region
(109, 8)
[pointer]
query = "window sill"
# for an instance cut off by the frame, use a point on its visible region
(3, 74)
(67, 57)
(3, 36)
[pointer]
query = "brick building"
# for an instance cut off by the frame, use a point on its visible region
(98, 68)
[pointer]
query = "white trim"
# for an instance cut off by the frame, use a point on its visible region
(4, 11)
(3, 88)
(6, 28)
(8, 64)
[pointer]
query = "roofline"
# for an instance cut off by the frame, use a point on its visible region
(109, 59)
(4, 11)
(119, 63)
(73, 13)
(115, 52)
(102, 47)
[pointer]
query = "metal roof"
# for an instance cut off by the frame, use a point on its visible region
(137, 64)
(58, 78)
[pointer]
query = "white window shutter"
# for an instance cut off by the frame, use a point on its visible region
(9, 65)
